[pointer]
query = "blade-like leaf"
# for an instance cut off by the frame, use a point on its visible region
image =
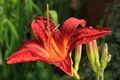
(12, 27)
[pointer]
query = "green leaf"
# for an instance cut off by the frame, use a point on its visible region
(54, 16)
(1, 62)
(12, 27)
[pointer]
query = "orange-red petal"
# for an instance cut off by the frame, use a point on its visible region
(31, 51)
(86, 34)
(66, 65)
(70, 26)
(39, 27)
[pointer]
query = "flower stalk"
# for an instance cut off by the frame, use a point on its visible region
(76, 76)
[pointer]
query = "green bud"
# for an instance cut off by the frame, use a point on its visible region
(97, 64)
(91, 55)
(78, 51)
(105, 59)
(95, 48)
(93, 66)
(109, 58)
(103, 64)
(90, 51)
(104, 52)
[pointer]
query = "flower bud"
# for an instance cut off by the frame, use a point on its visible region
(90, 51)
(95, 48)
(104, 52)
(109, 58)
(105, 59)
(78, 51)
(91, 56)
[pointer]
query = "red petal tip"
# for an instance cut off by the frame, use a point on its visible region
(82, 22)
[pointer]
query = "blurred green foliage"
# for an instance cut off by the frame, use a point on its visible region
(15, 19)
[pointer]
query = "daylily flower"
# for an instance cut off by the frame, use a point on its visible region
(53, 45)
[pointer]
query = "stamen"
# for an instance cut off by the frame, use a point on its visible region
(47, 15)
(56, 27)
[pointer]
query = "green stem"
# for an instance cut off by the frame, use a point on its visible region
(76, 66)
(97, 76)
(75, 74)
(100, 75)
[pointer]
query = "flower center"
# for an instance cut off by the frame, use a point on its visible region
(56, 50)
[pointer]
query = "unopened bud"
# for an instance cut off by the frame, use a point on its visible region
(95, 48)
(109, 58)
(97, 62)
(104, 53)
(78, 51)
(90, 51)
